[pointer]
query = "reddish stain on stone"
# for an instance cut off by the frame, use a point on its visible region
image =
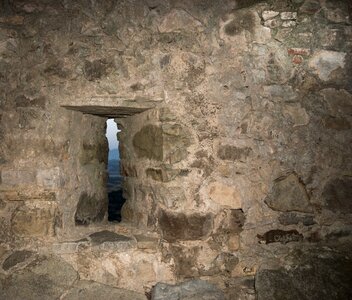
(297, 59)
(298, 51)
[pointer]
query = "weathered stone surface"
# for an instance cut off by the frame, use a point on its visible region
(337, 234)
(28, 221)
(297, 114)
(185, 260)
(230, 93)
(91, 290)
(338, 100)
(178, 20)
(273, 23)
(337, 195)
(269, 14)
(18, 177)
(336, 123)
(193, 289)
(171, 197)
(16, 258)
(223, 264)
(164, 174)
(90, 209)
(337, 12)
(233, 153)
(23, 101)
(288, 194)
(147, 242)
(94, 152)
(241, 288)
(313, 275)
(280, 236)
(108, 240)
(2, 203)
(310, 6)
(234, 221)
(27, 195)
(148, 142)
(291, 218)
(44, 278)
(325, 62)
(94, 70)
(201, 260)
(71, 246)
(224, 195)
(12, 20)
(107, 236)
(228, 224)
(233, 243)
(288, 15)
(244, 20)
(179, 226)
(165, 114)
(50, 178)
(176, 139)
(240, 4)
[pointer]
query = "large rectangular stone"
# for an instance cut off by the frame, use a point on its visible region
(27, 195)
(34, 221)
(50, 178)
(18, 177)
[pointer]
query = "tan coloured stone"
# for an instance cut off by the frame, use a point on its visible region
(225, 195)
(38, 222)
(50, 178)
(25, 195)
(148, 142)
(122, 59)
(234, 243)
(297, 114)
(146, 242)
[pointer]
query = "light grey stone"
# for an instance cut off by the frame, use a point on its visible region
(269, 14)
(18, 177)
(189, 290)
(288, 15)
(324, 62)
(108, 240)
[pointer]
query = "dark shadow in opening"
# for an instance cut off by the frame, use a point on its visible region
(114, 183)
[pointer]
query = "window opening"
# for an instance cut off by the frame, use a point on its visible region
(114, 182)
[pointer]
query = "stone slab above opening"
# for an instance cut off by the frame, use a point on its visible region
(112, 106)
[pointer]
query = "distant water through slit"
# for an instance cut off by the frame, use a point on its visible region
(114, 183)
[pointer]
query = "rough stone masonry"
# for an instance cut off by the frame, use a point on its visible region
(235, 148)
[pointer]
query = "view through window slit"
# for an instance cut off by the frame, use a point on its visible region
(114, 183)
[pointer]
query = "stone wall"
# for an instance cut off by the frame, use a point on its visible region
(235, 117)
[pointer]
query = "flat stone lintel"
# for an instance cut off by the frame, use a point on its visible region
(103, 241)
(107, 111)
(113, 106)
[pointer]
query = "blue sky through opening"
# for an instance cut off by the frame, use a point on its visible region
(111, 131)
